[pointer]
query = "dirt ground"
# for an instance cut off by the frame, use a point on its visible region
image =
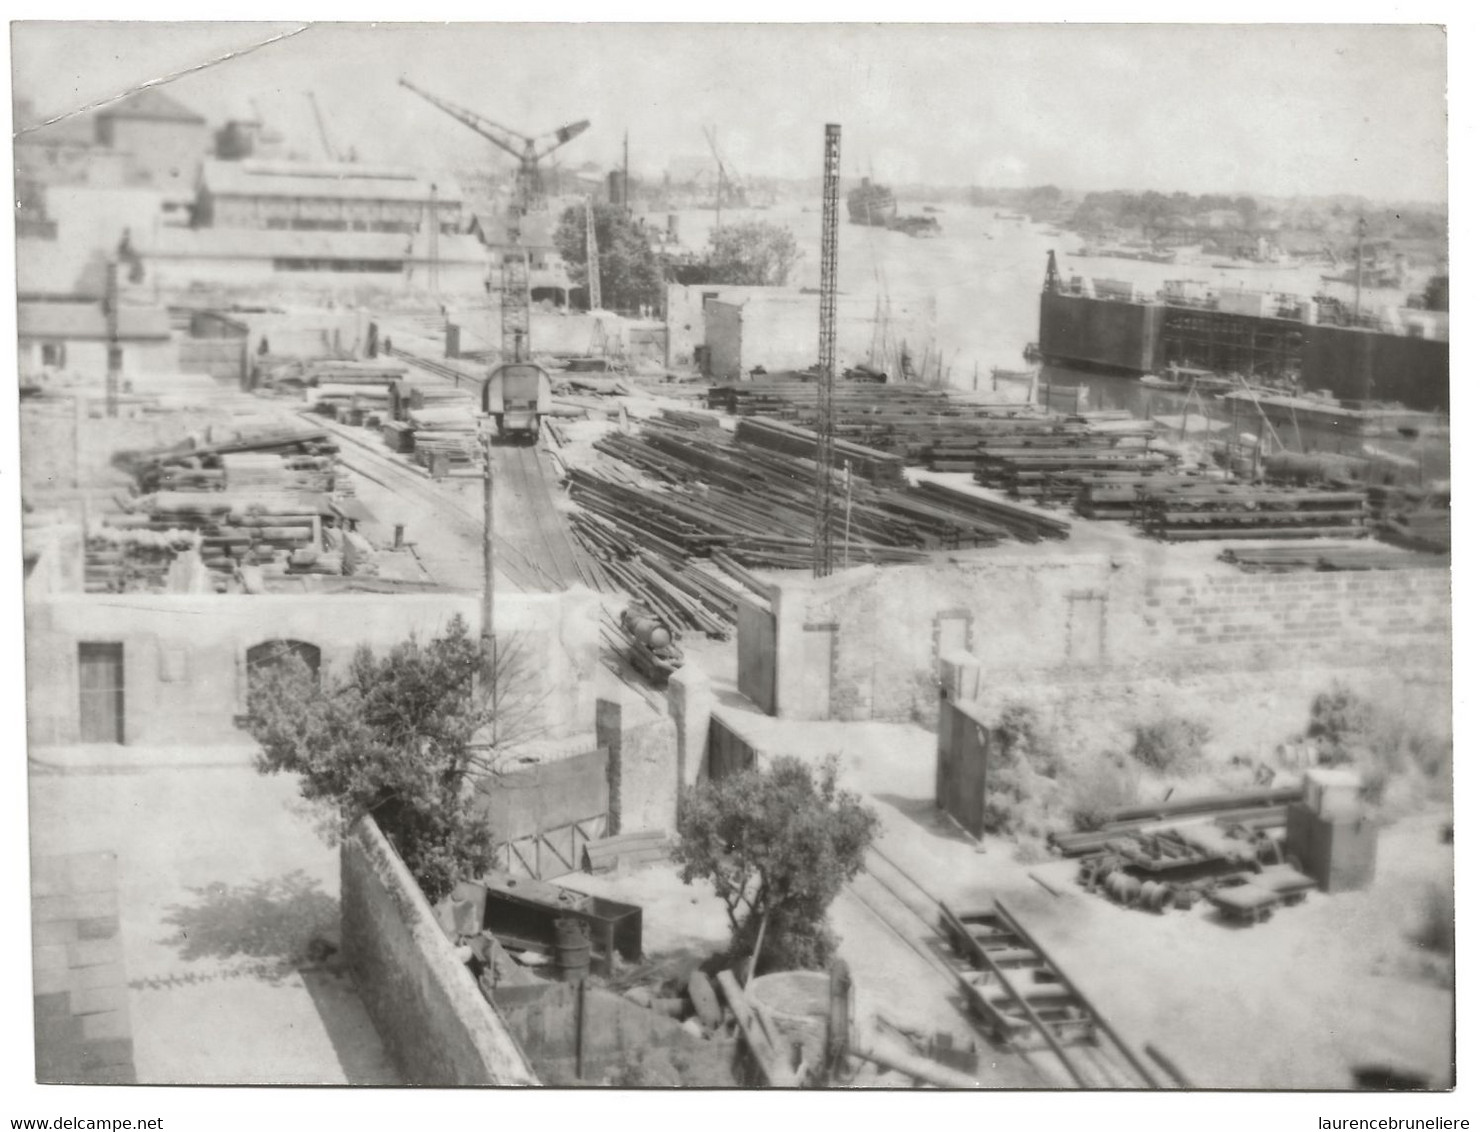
(1298, 1002)
(222, 886)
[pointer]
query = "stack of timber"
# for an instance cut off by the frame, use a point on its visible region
(1288, 559)
(283, 532)
(201, 467)
(657, 574)
(1117, 495)
(757, 505)
(1415, 518)
(121, 560)
(962, 446)
(877, 467)
(1224, 511)
(1056, 474)
(1025, 524)
(450, 433)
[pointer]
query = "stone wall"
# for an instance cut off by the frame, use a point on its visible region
(185, 655)
(431, 1015)
(1092, 630)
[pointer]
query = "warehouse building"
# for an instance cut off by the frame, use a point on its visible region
(323, 197)
(73, 337)
(179, 258)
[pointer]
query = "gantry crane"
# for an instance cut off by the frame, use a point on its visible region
(529, 185)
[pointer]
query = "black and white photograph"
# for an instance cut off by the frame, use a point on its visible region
(732, 556)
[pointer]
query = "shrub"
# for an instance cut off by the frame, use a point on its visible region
(778, 846)
(1171, 744)
(1340, 720)
(1022, 736)
(1102, 787)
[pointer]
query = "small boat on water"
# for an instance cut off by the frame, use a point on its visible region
(1185, 379)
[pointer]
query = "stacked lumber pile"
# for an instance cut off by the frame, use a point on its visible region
(132, 561)
(1117, 495)
(1025, 524)
(200, 467)
(1056, 474)
(963, 445)
(1289, 559)
(1210, 510)
(777, 436)
(281, 533)
(448, 433)
(1415, 518)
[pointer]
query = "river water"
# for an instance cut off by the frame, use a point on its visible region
(982, 277)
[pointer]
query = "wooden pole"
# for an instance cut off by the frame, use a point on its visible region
(920, 1068)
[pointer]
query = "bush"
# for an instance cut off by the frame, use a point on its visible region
(1023, 737)
(778, 845)
(1340, 720)
(1170, 745)
(1101, 788)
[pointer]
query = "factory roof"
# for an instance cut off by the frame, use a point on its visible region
(276, 243)
(153, 105)
(73, 321)
(338, 181)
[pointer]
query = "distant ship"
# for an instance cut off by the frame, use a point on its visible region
(875, 206)
(872, 204)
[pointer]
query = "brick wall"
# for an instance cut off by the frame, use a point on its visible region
(1280, 619)
(1088, 619)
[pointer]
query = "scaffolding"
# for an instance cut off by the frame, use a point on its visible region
(1254, 345)
(827, 348)
(515, 303)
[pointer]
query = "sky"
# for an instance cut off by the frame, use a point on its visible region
(1281, 110)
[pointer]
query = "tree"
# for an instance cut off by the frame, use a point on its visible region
(753, 253)
(1436, 293)
(778, 847)
(630, 275)
(405, 738)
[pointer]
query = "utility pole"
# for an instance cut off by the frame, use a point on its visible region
(593, 260)
(827, 342)
(432, 232)
(485, 636)
(115, 348)
(626, 176)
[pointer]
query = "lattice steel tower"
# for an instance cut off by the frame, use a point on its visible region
(827, 350)
(515, 303)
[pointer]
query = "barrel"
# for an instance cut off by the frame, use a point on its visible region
(572, 949)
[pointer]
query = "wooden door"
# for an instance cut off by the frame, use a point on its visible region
(819, 656)
(100, 671)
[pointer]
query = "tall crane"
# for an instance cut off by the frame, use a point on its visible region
(529, 185)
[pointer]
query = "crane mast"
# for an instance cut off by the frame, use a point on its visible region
(318, 117)
(827, 348)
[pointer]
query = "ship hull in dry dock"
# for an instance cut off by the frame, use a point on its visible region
(1123, 336)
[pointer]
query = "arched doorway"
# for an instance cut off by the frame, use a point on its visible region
(268, 655)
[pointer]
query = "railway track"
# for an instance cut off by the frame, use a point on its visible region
(1008, 986)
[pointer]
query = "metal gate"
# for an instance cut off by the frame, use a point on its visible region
(542, 816)
(756, 640)
(100, 684)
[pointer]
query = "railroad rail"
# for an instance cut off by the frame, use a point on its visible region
(1009, 986)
